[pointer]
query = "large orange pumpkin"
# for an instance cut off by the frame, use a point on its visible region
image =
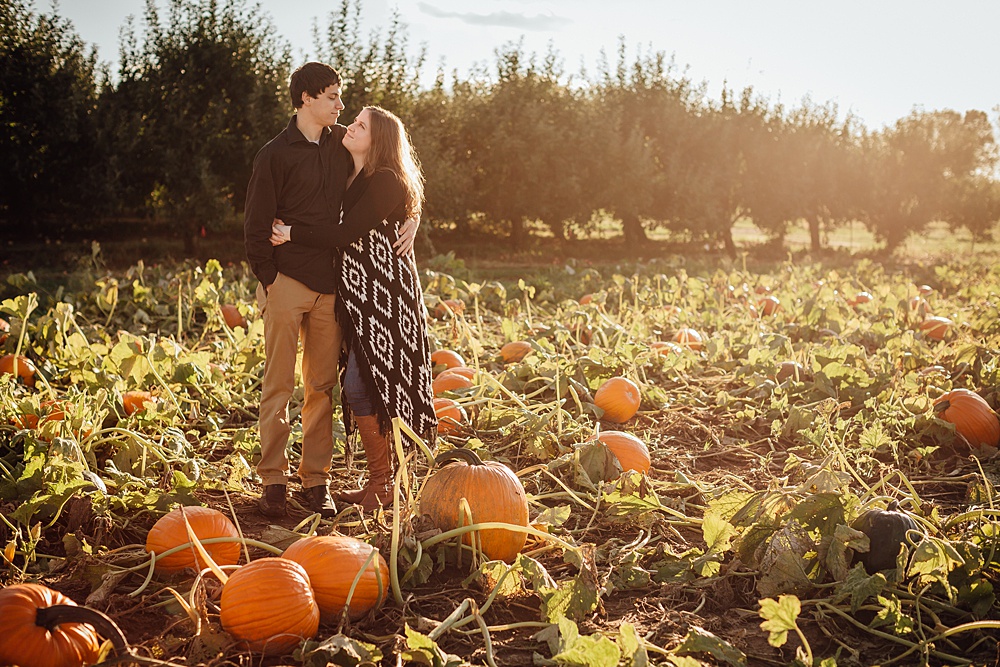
(630, 451)
(332, 562)
(40, 627)
(619, 397)
(169, 532)
(233, 317)
(446, 359)
(515, 351)
(935, 327)
(451, 416)
(135, 401)
(494, 493)
(769, 305)
(449, 382)
(269, 606)
(18, 366)
(689, 338)
(972, 416)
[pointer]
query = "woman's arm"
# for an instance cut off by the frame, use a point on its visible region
(382, 196)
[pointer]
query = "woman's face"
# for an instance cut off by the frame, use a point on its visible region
(359, 137)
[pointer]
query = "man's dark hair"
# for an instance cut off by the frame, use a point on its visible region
(312, 78)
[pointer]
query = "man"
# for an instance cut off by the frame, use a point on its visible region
(300, 177)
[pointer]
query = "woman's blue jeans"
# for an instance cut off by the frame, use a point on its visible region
(354, 389)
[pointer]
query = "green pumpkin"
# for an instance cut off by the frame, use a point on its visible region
(886, 530)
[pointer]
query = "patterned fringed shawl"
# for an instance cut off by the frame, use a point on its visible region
(381, 310)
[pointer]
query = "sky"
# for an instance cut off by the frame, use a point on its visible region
(877, 59)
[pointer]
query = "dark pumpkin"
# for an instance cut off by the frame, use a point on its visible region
(886, 530)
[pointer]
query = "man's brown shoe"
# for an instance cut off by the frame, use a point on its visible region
(272, 501)
(318, 499)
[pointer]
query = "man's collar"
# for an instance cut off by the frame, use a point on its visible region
(293, 133)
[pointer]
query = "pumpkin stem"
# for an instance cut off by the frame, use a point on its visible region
(462, 453)
(942, 406)
(893, 506)
(50, 617)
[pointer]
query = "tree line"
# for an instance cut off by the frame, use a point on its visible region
(169, 138)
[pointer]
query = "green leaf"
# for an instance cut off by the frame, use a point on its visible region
(860, 586)
(779, 617)
(553, 516)
(423, 650)
(584, 651)
(892, 614)
(718, 533)
(699, 640)
(631, 646)
(837, 555)
(337, 650)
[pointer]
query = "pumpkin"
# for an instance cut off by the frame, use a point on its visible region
(169, 532)
(861, 297)
(4, 329)
(494, 493)
(231, 314)
(449, 382)
(515, 351)
(332, 562)
(769, 305)
(135, 401)
(18, 366)
(444, 309)
(619, 397)
(464, 371)
(918, 302)
(925, 290)
(47, 411)
(762, 289)
(269, 606)
(630, 451)
(585, 299)
(935, 327)
(972, 416)
(40, 627)
(451, 416)
(689, 338)
(665, 347)
(447, 359)
(886, 530)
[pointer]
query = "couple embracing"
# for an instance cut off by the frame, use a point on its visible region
(330, 219)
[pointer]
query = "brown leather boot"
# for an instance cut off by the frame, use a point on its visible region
(378, 489)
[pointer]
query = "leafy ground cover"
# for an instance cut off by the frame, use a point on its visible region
(809, 401)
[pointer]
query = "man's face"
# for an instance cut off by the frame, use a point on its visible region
(324, 109)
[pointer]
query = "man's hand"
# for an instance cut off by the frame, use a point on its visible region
(407, 235)
(280, 233)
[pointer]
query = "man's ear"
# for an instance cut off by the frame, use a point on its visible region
(306, 98)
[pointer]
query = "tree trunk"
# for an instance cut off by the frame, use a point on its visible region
(632, 229)
(726, 234)
(518, 233)
(814, 241)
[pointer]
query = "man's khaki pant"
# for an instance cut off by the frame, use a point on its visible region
(287, 308)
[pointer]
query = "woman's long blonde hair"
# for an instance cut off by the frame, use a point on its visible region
(391, 149)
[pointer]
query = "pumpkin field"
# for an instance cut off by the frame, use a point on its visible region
(793, 464)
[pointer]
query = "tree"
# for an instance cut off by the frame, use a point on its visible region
(49, 136)
(197, 97)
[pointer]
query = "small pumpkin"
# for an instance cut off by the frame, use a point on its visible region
(493, 492)
(18, 366)
(619, 397)
(689, 338)
(972, 416)
(515, 351)
(442, 359)
(936, 327)
(860, 298)
(585, 299)
(886, 530)
(4, 330)
(135, 401)
(769, 305)
(170, 531)
(269, 606)
(790, 369)
(332, 562)
(233, 317)
(464, 371)
(451, 416)
(444, 309)
(925, 290)
(449, 382)
(631, 452)
(666, 348)
(40, 627)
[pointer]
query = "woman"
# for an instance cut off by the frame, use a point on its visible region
(385, 363)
